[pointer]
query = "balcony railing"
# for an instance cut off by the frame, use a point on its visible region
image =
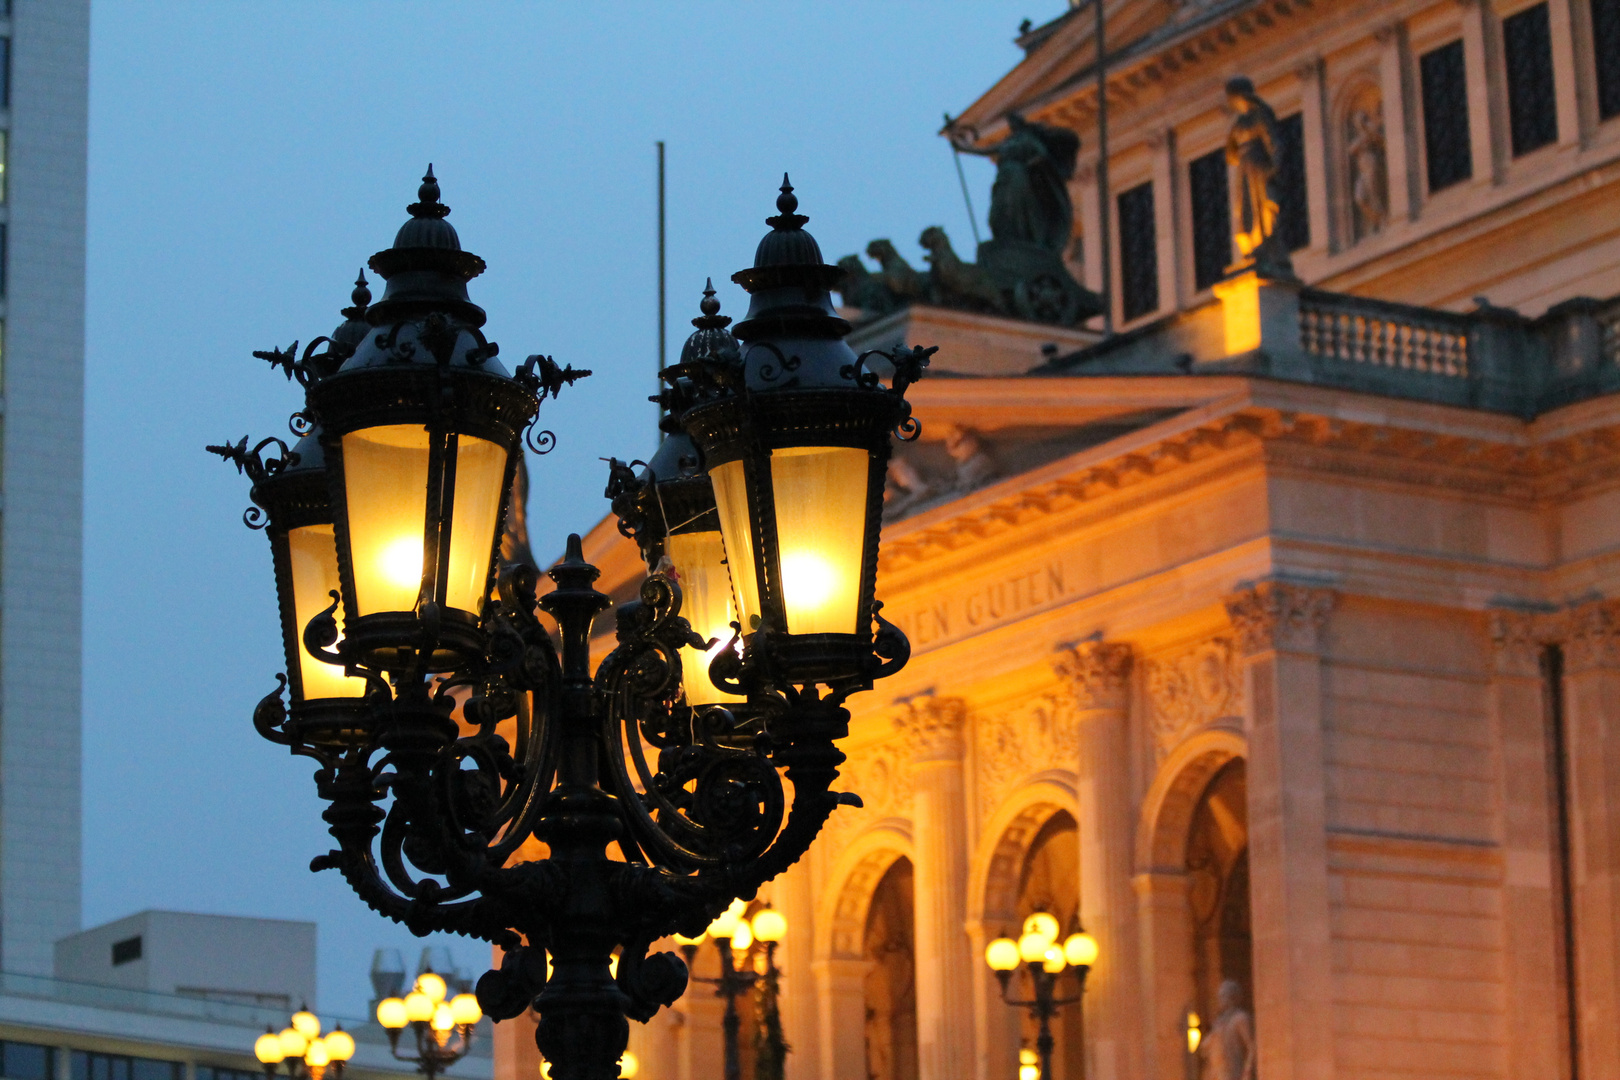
(1386, 335)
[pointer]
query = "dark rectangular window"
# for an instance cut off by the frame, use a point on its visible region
(94, 1066)
(1211, 218)
(5, 73)
(1138, 252)
(1527, 56)
(1294, 215)
(128, 950)
(25, 1061)
(1445, 116)
(1606, 50)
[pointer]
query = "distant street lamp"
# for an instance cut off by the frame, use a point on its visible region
(443, 1029)
(1045, 961)
(734, 936)
(307, 1053)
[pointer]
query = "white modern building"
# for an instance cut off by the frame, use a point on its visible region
(44, 83)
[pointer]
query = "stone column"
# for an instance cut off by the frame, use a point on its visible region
(1279, 628)
(1313, 121)
(1529, 893)
(1592, 684)
(1165, 923)
(801, 1022)
(934, 728)
(1098, 674)
(1400, 123)
(841, 986)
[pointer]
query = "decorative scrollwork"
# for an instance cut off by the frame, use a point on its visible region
(301, 423)
(786, 365)
(539, 440)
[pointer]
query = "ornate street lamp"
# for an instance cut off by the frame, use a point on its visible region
(443, 1029)
(468, 731)
(734, 937)
(770, 1047)
(308, 1054)
(1045, 960)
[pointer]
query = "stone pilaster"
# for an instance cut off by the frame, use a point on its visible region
(1592, 684)
(801, 1019)
(934, 727)
(1530, 890)
(841, 988)
(1400, 123)
(1166, 934)
(1279, 625)
(1099, 676)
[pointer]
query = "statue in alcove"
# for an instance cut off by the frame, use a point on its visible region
(1369, 181)
(1251, 149)
(1228, 1050)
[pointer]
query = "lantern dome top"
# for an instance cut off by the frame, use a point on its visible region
(426, 269)
(787, 244)
(352, 331)
(711, 344)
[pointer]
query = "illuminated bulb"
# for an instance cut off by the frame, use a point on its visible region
(391, 1013)
(432, 985)
(682, 939)
(742, 938)
(545, 1070)
(339, 1044)
(418, 1006)
(1195, 1034)
(1029, 1072)
(769, 925)
(1043, 923)
(613, 965)
(464, 1007)
(293, 1044)
(306, 1024)
(808, 579)
(268, 1049)
(1002, 954)
(1026, 1056)
(725, 924)
(401, 561)
(1032, 948)
(629, 1065)
(1053, 961)
(317, 1056)
(443, 1018)
(1080, 950)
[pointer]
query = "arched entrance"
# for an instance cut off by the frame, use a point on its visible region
(1050, 881)
(891, 979)
(1217, 863)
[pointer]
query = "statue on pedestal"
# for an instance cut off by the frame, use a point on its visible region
(1228, 1049)
(1251, 149)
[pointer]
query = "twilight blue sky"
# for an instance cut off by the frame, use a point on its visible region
(247, 158)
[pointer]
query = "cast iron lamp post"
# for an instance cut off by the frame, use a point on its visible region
(443, 1029)
(734, 938)
(308, 1054)
(451, 729)
(1045, 960)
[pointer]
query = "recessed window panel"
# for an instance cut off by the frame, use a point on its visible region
(1138, 252)
(1211, 217)
(1444, 82)
(1527, 58)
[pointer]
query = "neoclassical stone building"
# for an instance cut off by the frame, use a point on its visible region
(1276, 637)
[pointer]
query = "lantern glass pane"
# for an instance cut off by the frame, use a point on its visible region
(385, 488)
(700, 566)
(480, 476)
(820, 496)
(312, 552)
(731, 499)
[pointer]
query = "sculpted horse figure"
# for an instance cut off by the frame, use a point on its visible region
(959, 284)
(897, 275)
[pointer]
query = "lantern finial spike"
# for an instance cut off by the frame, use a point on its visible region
(428, 204)
(709, 305)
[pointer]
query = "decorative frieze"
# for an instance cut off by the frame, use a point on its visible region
(1593, 636)
(1038, 736)
(1279, 615)
(1192, 690)
(1098, 673)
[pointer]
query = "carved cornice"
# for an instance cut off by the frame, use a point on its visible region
(1098, 673)
(933, 728)
(1593, 636)
(1279, 615)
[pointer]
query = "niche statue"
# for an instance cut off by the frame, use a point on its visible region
(1228, 1051)
(1251, 149)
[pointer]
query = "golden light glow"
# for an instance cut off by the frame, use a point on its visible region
(770, 925)
(725, 924)
(1080, 950)
(1002, 954)
(317, 1056)
(391, 1013)
(1029, 1072)
(1026, 1056)
(742, 938)
(545, 1069)
(1195, 1034)
(731, 501)
(682, 939)
(267, 1048)
(613, 965)
(340, 1045)
(418, 1006)
(292, 1043)
(306, 1023)
(432, 985)
(385, 485)
(1032, 948)
(700, 568)
(1043, 923)
(443, 1018)
(1240, 312)
(1053, 961)
(313, 555)
(820, 495)
(629, 1065)
(464, 1008)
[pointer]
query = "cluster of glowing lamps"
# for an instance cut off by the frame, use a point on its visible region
(301, 1042)
(435, 1021)
(734, 934)
(1046, 959)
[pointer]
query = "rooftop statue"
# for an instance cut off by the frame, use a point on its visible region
(1251, 148)
(1019, 271)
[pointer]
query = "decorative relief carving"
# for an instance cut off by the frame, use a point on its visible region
(931, 727)
(1192, 690)
(1040, 735)
(1279, 615)
(1593, 636)
(881, 776)
(1517, 638)
(1098, 673)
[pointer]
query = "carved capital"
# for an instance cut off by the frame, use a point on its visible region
(1158, 139)
(1593, 636)
(1386, 33)
(933, 727)
(1516, 641)
(1098, 673)
(1279, 615)
(1308, 69)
